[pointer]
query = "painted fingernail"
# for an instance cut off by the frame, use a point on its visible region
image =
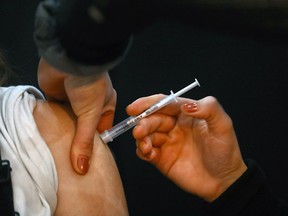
(190, 107)
(83, 163)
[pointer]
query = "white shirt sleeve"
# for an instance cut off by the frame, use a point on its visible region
(34, 176)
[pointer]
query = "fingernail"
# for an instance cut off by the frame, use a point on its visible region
(151, 155)
(83, 163)
(190, 107)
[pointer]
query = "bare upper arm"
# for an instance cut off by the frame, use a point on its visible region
(100, 191)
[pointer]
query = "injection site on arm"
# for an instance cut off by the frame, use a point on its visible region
(120, 128)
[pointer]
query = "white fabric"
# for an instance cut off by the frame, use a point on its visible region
(34, 176)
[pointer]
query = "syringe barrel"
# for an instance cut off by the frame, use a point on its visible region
(162, 103)
(130, 122)
(115, 131)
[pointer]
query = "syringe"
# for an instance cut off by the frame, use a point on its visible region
(115, 131)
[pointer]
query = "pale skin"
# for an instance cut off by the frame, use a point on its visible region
(100, 191)
(93, 101)
(193, 143)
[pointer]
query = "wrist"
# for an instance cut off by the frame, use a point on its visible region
(249, 190)
(223, 183)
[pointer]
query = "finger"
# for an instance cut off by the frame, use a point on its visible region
(210, 110)
(151, 141)
(51, 81)
(156, 139)
(105, 121)
(82, 145)
(152, 124)
(148, 157)
(144, 146)
(142, 156)
(142, 104)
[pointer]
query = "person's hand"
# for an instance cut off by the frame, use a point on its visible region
(93, 100)
(193, 143)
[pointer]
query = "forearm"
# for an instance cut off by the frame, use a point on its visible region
(249, 195)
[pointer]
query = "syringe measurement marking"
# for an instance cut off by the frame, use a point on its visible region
(120, 128)
(151, 110)
(142, 115)
(123, 129)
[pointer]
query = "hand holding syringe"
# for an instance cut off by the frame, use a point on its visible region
(115, 131)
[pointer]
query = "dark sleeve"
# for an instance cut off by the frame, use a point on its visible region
(249, 195)
(75, 37)
(85, 37)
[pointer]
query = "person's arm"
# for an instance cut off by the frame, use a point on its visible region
(100, 191)
(93, 101)
(87, 38)
(248, 195)
(82, 82)
(193, 143)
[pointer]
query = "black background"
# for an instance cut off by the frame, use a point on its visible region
(246, 74)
